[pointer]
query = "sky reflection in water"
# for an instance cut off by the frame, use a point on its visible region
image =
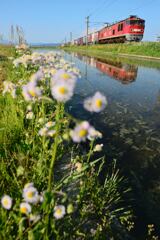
(130, 123)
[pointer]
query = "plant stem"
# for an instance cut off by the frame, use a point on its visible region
(51, 169)
(55, 146)
(90, 151)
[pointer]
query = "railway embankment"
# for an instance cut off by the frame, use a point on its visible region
(146, 50)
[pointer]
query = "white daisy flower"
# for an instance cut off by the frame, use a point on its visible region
(25, 208)
(94, 134)
(49, 124)
(9, 87)
(78, 166)
(51, 133)
(46, 132)
(34, 218)
(59, 211)
(29, 115)
(80, 132)
(98, 148)
(64, 76)
(37, 76)
(30, 194)
(41, 198)
(6, 202)
(31, 91)
(43, 131)
(27, 185)
(62, 91)
(96, 103)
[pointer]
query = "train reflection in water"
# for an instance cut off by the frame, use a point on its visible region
(125, 73)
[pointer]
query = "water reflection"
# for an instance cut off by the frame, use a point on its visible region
(124, 73)
(130, 125)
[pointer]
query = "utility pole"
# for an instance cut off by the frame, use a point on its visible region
(87, 29)
(70, 37)
(12, 34)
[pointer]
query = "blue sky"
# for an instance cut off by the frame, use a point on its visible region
(53, 20)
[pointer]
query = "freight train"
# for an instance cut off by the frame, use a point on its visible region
(127, 30)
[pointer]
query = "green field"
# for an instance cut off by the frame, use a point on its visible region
(149, 49)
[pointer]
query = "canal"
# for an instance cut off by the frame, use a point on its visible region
(130, 124)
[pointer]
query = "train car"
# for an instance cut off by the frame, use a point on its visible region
(130, 29)
(80, 41)
(75, 42)
(93, 38)
(89, 38)
(84, 40)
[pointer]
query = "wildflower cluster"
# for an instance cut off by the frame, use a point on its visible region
(48, 130)
(9, 87)
(51, 157)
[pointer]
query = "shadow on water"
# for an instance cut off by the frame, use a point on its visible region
(130, 126)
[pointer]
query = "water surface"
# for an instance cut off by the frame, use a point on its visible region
(130, 123)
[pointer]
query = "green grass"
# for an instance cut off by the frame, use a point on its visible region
(150, 49)
(5, 63)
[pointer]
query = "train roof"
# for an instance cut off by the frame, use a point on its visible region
(133, 17)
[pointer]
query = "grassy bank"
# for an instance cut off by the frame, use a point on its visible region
(42, 145)
(149, 63)
(150, 49)
(5, 63)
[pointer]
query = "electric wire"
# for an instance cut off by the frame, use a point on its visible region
(105, 6)
(143, 5)
(95, 10)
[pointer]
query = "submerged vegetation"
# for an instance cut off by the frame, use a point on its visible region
(55, 181)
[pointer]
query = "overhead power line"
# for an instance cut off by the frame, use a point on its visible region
(96, 9)
(143, 5)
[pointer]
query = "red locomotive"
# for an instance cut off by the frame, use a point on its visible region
(129, 29)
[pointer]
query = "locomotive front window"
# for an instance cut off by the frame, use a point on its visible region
(135, 22)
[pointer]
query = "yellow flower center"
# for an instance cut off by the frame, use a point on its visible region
(65, 76)
(49, 124)
(23, 210)
(30, 194)
(98, 103)
(32, 92)
(59, 211)
(82, 132)
(62, 90)
(5, 202)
